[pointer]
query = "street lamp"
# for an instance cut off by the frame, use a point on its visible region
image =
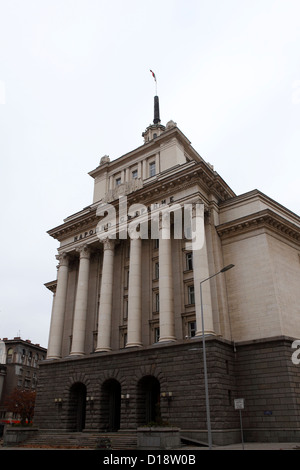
(223, 270)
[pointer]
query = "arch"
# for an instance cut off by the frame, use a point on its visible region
(148, 400)
(153, 370)
(77, 407)
(110, 411)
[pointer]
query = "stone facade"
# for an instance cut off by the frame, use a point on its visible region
(262, 373)
(125, 337)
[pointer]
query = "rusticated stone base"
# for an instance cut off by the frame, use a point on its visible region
(110, 391)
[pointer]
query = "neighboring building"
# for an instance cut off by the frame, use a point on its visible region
(125, 343)
(19, 368)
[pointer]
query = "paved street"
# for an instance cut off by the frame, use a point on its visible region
(247, 446)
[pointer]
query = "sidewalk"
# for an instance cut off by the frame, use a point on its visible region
(254, 446)
(247, 446)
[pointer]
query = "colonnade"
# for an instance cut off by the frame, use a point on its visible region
(134, 321)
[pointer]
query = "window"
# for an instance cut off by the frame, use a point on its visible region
(126, 286)
(134, 174)
(156, 243)
(118, 181)
(191, 329)
(157, 302)
(152, 170)
(189, 261)
(9, 355)
(156, 271)
(191, 295)
(125, 312)
(23, 360)
(156, 335)
(27, 383)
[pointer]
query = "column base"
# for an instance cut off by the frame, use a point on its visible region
(167, 339)
(206, 333)
(102, 350)
(134, 345)
(77, 354)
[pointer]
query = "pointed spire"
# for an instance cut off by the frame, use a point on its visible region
(156, 119)
(154, 130)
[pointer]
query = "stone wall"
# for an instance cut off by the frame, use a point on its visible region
(260, 372)
(270, 384)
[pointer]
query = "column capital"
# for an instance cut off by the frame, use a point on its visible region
(84, 251)
(63, 259)
(108, 244)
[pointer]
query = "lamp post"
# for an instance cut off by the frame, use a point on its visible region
(226, 268)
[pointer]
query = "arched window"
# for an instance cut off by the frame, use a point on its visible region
(10, 353)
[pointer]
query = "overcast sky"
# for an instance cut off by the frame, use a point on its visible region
(75, 84)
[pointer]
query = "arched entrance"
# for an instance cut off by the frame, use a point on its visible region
(110, 414)
(77, 404)
(148, 401)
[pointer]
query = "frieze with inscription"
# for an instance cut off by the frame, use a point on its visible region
(84, 235)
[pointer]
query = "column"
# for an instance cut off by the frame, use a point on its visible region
(106, 294)
(58, 309)
(134, 325)
(201, 272)
(81, 302)
(166, 297)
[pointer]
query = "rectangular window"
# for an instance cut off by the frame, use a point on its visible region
(191, 295)
(125, 312)
(118, 181)
(156, 273)
(156, 335)
(134, 174)
(189, 261)
(191, 329)
(152, 170)
(126, 280)
(157, 302)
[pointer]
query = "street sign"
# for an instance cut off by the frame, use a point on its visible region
(239, 404)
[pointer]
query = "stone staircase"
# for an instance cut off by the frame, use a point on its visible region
(84, 440)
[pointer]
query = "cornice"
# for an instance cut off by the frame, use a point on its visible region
(262, 219)
(255, 193)
(73, 225)
(180, 178)
(162, 186)
(152, 146)
(51, 286)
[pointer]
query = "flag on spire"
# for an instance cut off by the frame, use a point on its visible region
(153, 75)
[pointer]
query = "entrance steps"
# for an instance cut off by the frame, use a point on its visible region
(76, 440)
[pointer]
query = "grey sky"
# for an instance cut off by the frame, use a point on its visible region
(75, 85)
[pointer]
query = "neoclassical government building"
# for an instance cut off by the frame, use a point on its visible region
(126, 336)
